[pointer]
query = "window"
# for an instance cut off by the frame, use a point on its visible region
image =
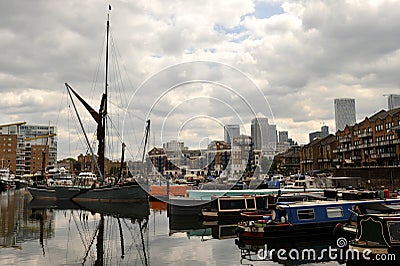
(306, 214)
(334, 212)
(250, 203)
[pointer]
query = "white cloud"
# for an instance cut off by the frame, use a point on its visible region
(301, 54)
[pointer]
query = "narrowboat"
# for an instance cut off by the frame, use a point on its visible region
(230, 207)
(377, 234)
(311, 217)
(348, 229)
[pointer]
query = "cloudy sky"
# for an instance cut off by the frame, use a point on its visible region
(192, 66)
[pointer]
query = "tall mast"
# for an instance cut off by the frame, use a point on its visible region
(101, 128)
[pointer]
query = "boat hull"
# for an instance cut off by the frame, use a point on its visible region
(283, 230)
(44, 193)
(125, 193)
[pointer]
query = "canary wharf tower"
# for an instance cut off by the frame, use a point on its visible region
(345, 112)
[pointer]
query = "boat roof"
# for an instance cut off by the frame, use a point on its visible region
(333, 202)
(383, 208)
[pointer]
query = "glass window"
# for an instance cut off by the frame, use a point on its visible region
(250, 203)
(334, 212)
(306, 214)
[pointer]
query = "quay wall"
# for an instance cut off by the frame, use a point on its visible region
(373, 177)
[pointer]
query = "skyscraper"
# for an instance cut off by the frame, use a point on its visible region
(283, 136)
(345, 112)
(393, 101)
(263, 134)
(230, 132)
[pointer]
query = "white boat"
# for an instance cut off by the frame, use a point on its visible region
(6, 179)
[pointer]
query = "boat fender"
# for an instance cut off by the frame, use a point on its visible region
(283, 219)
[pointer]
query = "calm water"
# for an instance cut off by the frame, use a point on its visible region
(40, 233)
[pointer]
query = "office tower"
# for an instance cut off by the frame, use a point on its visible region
(230, 132)
(345, 112)
(324, 131)
(283, 136)
(263, 134)
(393, 101)
(319, 134)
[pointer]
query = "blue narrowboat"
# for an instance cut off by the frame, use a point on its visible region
(313, 217)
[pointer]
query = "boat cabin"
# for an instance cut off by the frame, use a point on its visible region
(379, 233)
(233, 206)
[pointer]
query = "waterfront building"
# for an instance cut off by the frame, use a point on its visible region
(288, 162)
(241, 154)
(212, 161)
(218, 156)
(87, 163)
(26, 147)
(393, 101)
(372, 142)
(318, 154)
(174, 145)
(230, 132)
(345, 112)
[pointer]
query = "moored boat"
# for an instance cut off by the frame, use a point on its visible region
(95, 188)
(231, 207)
(348, 229)
(307, 218)
(377, 234)
(6, 179)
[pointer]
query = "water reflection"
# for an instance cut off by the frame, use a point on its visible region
(67, 233)
(64, 233)
(206, 230)
(289, 250)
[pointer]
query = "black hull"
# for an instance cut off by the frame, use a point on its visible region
(296, 231)
(44, 193)
(125, 193)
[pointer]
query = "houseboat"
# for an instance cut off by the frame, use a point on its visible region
(230, 207)
(311, 217)
(348, 229)
(377, 233)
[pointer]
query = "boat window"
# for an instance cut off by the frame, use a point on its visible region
(306, 214)
(394, 231)
(250, 203)
(334, 212)
(232, 204)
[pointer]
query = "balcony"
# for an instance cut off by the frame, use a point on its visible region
(365, 134)
(388, 155)
(344, 140)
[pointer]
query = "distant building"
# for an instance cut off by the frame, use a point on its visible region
(371, 142)
(263, 134)
(283, 136)
(319, 134)
(241, 152)
(345, 112)
(25, 145)
(174, 145)
(230, 132)
(318, 155)
(288, 162)
(393, 101)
